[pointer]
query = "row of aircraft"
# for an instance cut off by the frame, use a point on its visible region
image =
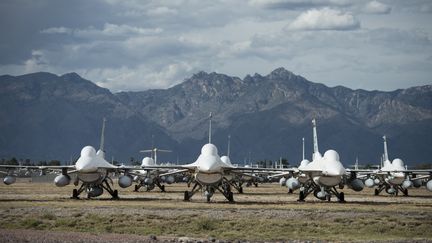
(322, 176)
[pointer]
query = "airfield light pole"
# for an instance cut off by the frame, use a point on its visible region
(229, 145)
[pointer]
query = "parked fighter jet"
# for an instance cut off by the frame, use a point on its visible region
(149, 178)
(91, 169)
(209, 172)
(393, 177)
(322, 175)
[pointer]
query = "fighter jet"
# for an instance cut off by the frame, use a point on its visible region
(393, 177)
(149, 178)
(209, 172)
(91, 169)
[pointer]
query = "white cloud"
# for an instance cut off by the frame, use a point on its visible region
(324, 19)
(36, 62)
(297, 4)
(375, 7)
(139, 78)
(155, 43)
(108, 30)
(57, 30)
(161, 11)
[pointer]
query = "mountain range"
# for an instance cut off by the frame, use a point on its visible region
(45, 116)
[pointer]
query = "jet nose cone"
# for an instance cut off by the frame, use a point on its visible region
(209, 165)
(84, 164)
(336, 171)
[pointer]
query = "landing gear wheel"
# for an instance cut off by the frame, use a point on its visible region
(115, 195)
(241, 190)
(342, 197)
(301, 197)
(405, 192)
(186, 196)
(136, 188)
(376, 192)
(163, 188)
(208, 198)
(316, 194)
(328, 198)
(290, 191)
(75, 194)
(230, 197)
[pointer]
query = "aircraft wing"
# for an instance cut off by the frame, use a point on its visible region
(167, 167)
(38, 167)
(174, 172)
(283, 174)
(362, 170)
(418, 171)
(251, 169)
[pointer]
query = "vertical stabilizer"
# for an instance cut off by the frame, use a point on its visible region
(303, 158)
(210, 127)
(152, 147)
(315, 139)
(229, 145)
(101, 152)
(102, 141)
(385, 149)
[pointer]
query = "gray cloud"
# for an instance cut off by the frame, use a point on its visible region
(375, 7)
(297, 4)
(137, 45)
(324, 19)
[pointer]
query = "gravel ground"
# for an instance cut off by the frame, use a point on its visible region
(269, 201)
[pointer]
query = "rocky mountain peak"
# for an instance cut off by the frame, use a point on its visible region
(281, 73)
(264, 114)
(71, 77)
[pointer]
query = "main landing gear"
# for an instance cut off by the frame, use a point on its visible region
(150, 187)
(392, 190)
(237, 185)
(95, 190)
(223, 187)
(322, 193)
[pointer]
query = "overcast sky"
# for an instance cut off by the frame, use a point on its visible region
(138, 45)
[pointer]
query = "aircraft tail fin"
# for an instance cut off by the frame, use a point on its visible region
(102, 141)
(315, 138)
(210, 127)
(303, 158)
(385, 149)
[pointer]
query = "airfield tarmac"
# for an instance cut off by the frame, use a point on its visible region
(42, 212)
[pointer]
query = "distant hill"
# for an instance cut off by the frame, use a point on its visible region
(47, 116)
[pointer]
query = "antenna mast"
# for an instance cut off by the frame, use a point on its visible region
(210, 127)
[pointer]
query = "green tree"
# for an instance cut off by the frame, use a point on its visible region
(54, 163)
(13, 161)
(27, 162)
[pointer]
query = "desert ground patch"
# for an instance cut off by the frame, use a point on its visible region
(264, 213)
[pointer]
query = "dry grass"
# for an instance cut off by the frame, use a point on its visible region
(263, 213)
